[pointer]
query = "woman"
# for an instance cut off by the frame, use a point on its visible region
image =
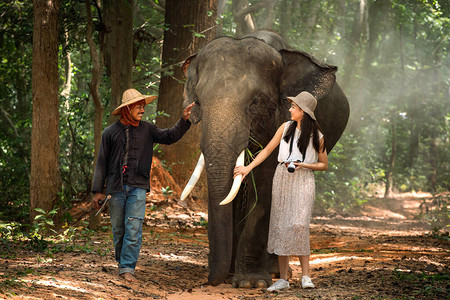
(293, 192)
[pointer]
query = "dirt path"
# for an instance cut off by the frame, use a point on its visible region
(381, 253)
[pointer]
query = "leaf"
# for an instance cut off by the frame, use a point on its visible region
(40, 210)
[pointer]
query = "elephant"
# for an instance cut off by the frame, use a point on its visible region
(240, 88)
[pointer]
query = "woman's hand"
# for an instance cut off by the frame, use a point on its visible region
(299, 165)
(321, 165)
(241, 170)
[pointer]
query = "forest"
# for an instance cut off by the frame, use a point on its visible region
(65, 64)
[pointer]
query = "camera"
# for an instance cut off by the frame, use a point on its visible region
(291, 166)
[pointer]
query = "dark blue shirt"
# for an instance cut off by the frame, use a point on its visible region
(110, 161)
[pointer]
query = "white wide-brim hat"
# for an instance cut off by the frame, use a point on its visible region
(306, 102)
(131, 96)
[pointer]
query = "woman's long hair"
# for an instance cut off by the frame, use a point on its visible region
(309, 127)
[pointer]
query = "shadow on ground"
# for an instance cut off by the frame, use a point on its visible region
(378, 254)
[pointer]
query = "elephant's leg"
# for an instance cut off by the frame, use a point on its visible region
(253, 265)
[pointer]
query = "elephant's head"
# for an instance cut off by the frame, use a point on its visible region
(240, 89)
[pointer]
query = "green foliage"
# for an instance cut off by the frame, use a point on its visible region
(397, 87)
(436, 212)
(43, 239)
(43, 224)
(9, 230)
(344, 185)
(202, 223)
(167, 191)
(424, 285)
(393, 67)
(394, 70)
(149, 31)
(14, 176)
(226, 20)
(16, 28)
(77, 148)
(151, 113)
(45, 242)
(9, 282)
(250, 156)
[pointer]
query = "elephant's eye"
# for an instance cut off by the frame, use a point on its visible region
(197, 103)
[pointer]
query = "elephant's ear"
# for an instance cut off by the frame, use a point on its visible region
(190, 71)
(303, 72)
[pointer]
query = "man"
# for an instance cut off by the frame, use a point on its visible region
(124, 161)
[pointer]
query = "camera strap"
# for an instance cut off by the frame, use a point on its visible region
(291, 144)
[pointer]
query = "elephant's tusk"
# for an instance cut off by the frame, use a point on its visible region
(236, 182)
(194, 178)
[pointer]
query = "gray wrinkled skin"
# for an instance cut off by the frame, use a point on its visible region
(240, 87)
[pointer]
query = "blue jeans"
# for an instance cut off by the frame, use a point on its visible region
(127, 214)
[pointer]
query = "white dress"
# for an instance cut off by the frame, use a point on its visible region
(293, 196)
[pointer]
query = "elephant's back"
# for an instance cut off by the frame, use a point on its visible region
(240, 49)
(269, 37)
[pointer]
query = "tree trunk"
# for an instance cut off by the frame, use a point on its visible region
(97, 71)
(352, 62)
(434, 155)
(363, 19)
(311, 19)
(68, 68)
(180, 41)
(21, 83)
(341, 24)
(354, 39)
(414, 138)
(414, 110)
(269, 14)
(243, 19)
(285, 18)
(118, 17)
(364, 55)
(295, 14)
(45, 182)
(390, 174)
(220, 9)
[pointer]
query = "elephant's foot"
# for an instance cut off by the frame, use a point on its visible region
(252, 280)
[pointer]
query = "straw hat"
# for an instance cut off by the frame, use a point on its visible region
(131, 96)
(306, 102)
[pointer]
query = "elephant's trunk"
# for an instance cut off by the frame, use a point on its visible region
(220, 219)
(225, 134)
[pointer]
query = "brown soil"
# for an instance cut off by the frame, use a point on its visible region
(381, 252)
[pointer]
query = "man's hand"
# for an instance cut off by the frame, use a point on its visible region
(187, 111)
(97, 200)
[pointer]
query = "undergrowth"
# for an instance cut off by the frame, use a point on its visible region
(423, 285)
